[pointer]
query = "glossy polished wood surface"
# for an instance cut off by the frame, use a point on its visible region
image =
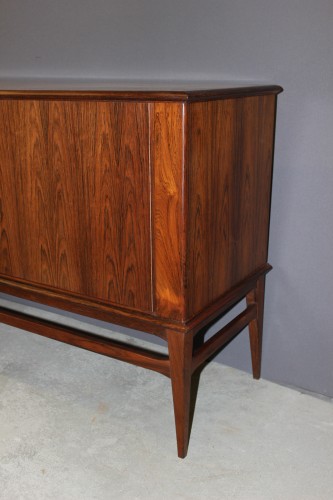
(230, 148)
(75, 201)
(148, 208)
(167, 158)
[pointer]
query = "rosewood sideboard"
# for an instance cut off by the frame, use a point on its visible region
(142, 205)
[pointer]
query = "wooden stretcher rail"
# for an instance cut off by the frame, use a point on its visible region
(223, 336)
(96, 343)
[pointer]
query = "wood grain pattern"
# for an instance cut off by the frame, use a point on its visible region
(167, 208)
(230, 147)
(151, 215)
(125, 316)
(74, 197)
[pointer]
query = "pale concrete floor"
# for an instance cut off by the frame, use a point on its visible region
(78, 426)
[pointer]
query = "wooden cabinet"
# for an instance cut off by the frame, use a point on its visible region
(145, 207)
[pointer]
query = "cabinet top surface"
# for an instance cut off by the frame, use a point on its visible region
(139, 90)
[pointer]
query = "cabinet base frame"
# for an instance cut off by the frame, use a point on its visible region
(185, 355)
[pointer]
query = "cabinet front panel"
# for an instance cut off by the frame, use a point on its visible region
(74, 198)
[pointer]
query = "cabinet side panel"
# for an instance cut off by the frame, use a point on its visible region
(74, 194)
(167, 145)
(230, 147)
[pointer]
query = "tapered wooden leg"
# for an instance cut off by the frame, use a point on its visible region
(180, 354)
(256, 297)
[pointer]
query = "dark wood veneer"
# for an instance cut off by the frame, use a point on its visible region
(74, 189)
(230, 147)
(144, 208)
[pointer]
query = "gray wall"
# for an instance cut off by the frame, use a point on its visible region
(287, 42)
